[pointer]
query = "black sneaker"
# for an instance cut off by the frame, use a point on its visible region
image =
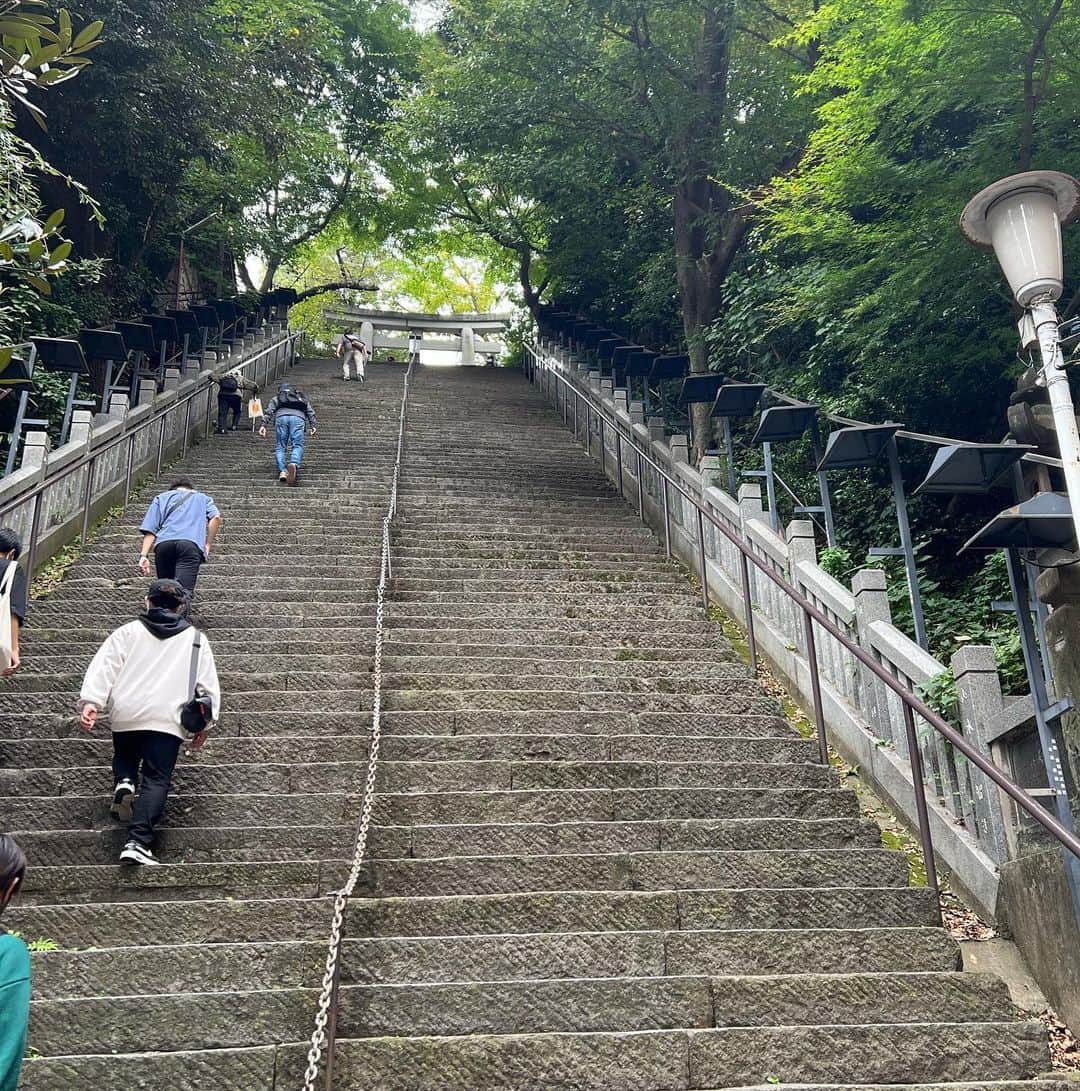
(123, 798)
(134, 853)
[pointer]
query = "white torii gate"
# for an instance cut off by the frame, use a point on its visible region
(471, 335)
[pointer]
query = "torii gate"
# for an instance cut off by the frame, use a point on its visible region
(395, 330)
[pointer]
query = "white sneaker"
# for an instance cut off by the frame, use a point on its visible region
(123, 798)
(283, 476)
(134, 853)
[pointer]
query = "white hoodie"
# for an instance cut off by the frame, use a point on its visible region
(142, 680)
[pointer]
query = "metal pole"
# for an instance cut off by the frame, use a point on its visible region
(815, 687)
(823, 486)
(603, 446)
(667, 517)
(88, 493)
(906, 544)
(729, 451)
(588, 428)
(751, 636)
(577, 398)
(1044, 314)
(161, 442)
(66, 426)
(187, 428)
(703, 568)
(770, 487)
(921, 810)
(127, 473)
(35, 526)
(640, 486)
(618, 460)
(1051, 752)
(209, 403)
(16, 435)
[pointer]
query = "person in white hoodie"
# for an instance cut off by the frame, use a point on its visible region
(142, 676)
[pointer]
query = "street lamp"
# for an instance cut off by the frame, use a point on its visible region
(1020, 219)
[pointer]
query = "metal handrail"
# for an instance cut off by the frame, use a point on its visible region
(89, 460)
(324, 1035)
(912, 703)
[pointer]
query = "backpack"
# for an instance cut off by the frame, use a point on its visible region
(7, 640)
(229, 384)
(292, 399)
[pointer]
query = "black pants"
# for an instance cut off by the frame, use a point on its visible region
(227, 403)
(156, 753)
(178, 560)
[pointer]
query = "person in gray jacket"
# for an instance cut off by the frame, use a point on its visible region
(291, 413)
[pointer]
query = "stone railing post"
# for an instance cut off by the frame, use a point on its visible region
(1059, 588)
(680, 449)
(81, 426)
(799, 535)
(147, 391)
(978, 688)
(172, 378)
(711, 474)
(872, 604)
(637, 412)
(118, 406)
(622, 400)
(750, 502)
(656, 429)
(36, 447)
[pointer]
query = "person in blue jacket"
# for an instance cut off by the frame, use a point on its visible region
(14, 972)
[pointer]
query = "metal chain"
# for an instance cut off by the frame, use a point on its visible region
(328, 992)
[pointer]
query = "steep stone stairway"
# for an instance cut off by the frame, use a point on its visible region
(601, 860)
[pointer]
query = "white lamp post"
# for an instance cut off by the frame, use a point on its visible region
(1020, 219)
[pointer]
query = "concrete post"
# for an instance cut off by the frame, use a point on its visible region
(607, 387)
(367, 335)
(35, 450)
(978, 687)
(622, 403)
(750, 502)
(872, 604)
(656, 428)
(711, 475)
(147, 391)
(637, 412)
(172, 378)
(680, 449)
(802, 546)
(81, 426)
(468, 345)
(594, 379)
(118, 406)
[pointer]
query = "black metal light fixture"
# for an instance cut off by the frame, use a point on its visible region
(735, 400)
(140, 340)
(64, 355)
(972, 468)
(863, 445)
(782, 424)
(17, 383)
(1044, 522)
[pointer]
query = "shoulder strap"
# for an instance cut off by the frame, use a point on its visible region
(175, 506)
(7, 581)
(196, 644)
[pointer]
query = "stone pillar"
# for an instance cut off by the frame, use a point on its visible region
(172, 378)
(468, 345)
(978, 687)
(656, 428)
(35, 450)
(802, 546)
(118, 406)
(622, 403)
(711, 474)
(637, 412)
(594, 379)
(607, 387)
(81, 426)
(872, 604)
(680, 449)
(750, 501)
(367, 335)
(147, 391)
(1059, 588)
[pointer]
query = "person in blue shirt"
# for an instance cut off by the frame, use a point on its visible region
(180, 527)
(14, 972)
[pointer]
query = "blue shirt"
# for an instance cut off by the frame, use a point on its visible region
(180, 515)
(14, 1007)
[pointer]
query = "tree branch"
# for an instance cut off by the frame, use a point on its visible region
(333, 286)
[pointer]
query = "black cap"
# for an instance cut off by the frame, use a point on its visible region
(167, 593)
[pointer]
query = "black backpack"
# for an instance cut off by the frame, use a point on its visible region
(229, 384)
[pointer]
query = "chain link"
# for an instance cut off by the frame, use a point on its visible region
(321, 1039)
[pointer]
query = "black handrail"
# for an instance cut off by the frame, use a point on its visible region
(912, 703)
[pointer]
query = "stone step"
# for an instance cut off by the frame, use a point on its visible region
(831, 910)
(221, 749)
(201, 777)
(247, 843)
(247, 1018)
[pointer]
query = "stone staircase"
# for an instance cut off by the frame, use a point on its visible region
(601, 860)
